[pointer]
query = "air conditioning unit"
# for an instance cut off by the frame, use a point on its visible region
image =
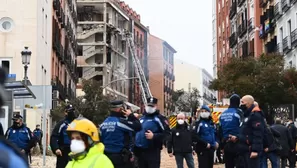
(55, 104)
(55, 94)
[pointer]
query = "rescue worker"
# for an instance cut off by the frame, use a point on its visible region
(116, 134)
(20, 135)
(60, 142)
(38, 134)
(149, 141)
(230, 121)
(86, 149)
(180, 143)
(205, 138)
(11, 156)
(251, 133)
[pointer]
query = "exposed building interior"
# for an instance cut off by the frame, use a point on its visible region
(103, 51)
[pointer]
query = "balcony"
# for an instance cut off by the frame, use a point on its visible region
(294, 38)
(262, 3)
(89, 73)
(285, 5)
(88, 30)
(293, 1)
(245, 51)
(61, 53)
(55, 4)
(58, 11)
(232, 40)
(63, 23)
(240, 2)
(251, 24)
(233, 10)
(277, 11)
(286, 45)
(279, 48)
(57, 85)
(242, 29)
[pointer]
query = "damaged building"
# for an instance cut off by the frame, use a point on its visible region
(101, 29)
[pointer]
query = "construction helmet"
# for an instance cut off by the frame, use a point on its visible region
(84, 126)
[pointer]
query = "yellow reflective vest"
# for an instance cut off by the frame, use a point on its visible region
(94, 159)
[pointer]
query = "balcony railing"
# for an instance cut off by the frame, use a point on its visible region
(293, 1)
(232, 40)
(279, 47)
(240, 2)
(285, 5)
(242, 29)
(277, 10)
(286, 45)
(251, 24)
(233, 10)
(294, 38)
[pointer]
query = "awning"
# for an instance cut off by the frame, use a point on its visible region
(19, 90)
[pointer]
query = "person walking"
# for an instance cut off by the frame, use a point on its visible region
(38, 134)
(293, 131)
(180, 143)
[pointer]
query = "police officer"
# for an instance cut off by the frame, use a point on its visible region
(204, 136)
(149, 141)
(20, 135)
(116, 131)
(60, 142)
(38, 134)
(251, 133)
(230, 121)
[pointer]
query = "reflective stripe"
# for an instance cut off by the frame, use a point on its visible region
(159, 122)
(198, 129)
(124, 126)
(237, 115)
(61, 127)
(94, 161)
(28, 133)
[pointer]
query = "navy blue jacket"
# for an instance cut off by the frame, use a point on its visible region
(38, 133)
(20, 136)
(115, 132)
(11, 157)
(252, 130)
(156, 123)
(204, 133)
(59, 137)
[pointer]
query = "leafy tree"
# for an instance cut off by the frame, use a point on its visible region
(264, 78)
(184, 101)
(93, 105)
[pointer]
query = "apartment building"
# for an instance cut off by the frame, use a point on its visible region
(64, 50)
(267, 31)
(27, 24)
(161, 73)
(102, 46)
(214, 38)
(187, 74)
(285, 13)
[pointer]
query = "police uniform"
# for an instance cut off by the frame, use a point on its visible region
(230, 121)
(21, 136)
(251, 136)
(148, 150)
(116, 131)
(60, 139)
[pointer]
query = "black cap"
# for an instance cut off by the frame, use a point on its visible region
(116, 103)
(152, 101)
(69, 107)
(17, 116)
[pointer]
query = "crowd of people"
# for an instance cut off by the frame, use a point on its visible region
(242, 139)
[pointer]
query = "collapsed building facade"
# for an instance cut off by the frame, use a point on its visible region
(103, 49)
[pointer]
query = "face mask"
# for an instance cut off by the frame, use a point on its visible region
(150, 110)
(16, 124)
(243, 107)
(180, 122)
(77, 146)
(204, 114)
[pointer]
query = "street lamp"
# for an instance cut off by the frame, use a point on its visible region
(26, 56)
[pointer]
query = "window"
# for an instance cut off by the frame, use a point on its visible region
(5, 63)
(289, 27)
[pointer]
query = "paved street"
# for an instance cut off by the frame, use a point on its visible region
(167, 162)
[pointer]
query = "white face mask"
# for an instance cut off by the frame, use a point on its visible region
(77, 146)
(150, 110)
(180, 122)
(204, 114)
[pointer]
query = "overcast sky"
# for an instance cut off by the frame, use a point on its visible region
(186, 25)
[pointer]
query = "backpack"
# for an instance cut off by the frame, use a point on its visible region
(276, 142)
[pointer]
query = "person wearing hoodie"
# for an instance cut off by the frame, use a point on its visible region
(230, 121)
(251, 135)
(180, 143)
(20, 135)
(205, 138)
(86, 149)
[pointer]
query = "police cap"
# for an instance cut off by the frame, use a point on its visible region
(17, 116)
(116, 103)
(69, 108)
(152, 101)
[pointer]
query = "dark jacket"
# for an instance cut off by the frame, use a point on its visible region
(293, 131)
(251, 135)
(180, 139)
(270, 136)
(59, 137)
(285, 139)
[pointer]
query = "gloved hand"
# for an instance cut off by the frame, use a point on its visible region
(2, 89)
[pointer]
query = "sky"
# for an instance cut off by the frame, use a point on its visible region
(186, 25)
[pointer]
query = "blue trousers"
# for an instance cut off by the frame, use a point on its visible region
(273, 158)
(179, 158)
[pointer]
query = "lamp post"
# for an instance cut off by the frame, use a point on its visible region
(26, 56)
